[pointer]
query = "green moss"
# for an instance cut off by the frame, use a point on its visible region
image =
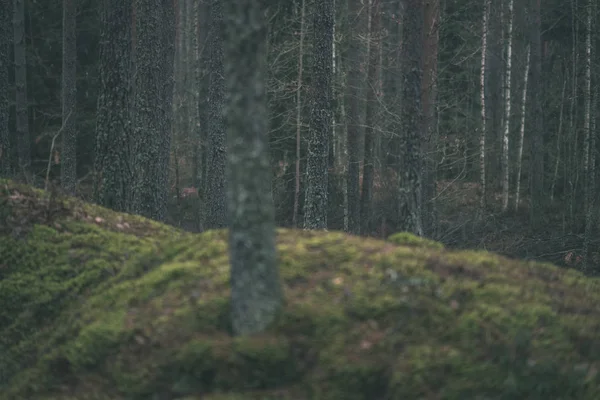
(101, 305)
(408, 239)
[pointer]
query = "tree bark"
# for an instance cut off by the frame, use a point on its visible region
(366, 198)
(5, 41)
(353, 90)
(507, 100)
(299, 116)
(22, 122)
(216, 184)
(152, 113)
(522, 129)
(315, 202)
(411, 179)
(429, 89)
(483, 132)
(536, 180)
(68, 159)
(112, 168)
(256, 292)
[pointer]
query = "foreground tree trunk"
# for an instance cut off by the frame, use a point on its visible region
(411, 180)
(152, 109)
(5, 153)
(256, 293)
(315, 203)
(113, 172)
(21, 105)
(68, 159)
(215, 190)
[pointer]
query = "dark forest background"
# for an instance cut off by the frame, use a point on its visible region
(508, 165)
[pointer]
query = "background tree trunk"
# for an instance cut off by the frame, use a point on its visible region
(68, 159)
(315, 203)
(22, 122)
(113, 171)
(215, 191)
(507, 99)
(5, 33)
(483, 126)
(355, 58)
(411, 180)
(430, 115)
(152, 111)
(366, 198)
(536, 181)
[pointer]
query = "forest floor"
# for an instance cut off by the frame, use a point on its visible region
(101, 305)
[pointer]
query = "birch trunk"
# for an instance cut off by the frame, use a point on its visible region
(522, 130)
(482, 134)
(507, 87)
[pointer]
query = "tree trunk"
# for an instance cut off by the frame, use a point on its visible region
(21, 104)
(68, 159)
(315, 203)
(353, 128)
(483, 132)
(256, 292)
(112, 168)
(536, 180)
(299, 116)
(589, 158)
(5, 33)
(366, 198)
(522, 129)
(559, 138)
(429, 104)
(152, 113)
(215, 191)
(507, 99)
(411, 180)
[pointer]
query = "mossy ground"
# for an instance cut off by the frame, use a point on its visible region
(100, 305)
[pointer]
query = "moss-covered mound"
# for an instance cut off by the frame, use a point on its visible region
(100, 305)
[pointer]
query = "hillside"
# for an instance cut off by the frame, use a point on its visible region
(100, 305)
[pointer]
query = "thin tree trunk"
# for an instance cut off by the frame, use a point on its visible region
(559, 138)
(216, 181)
(22, 120)
(68, 159)
(411, 180)
(507, 99)
(299, 116)
(589, 159)
(536, 180)
(482, 135)
(573, 159)
(522, 130)
(370, 118)
(430, 116)
(353, 126)
(315, 209)
(5, 33)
